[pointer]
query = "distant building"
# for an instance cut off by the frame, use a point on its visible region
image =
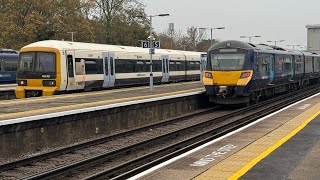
(313, 40)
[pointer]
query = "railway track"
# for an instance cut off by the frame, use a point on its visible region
(126, 154)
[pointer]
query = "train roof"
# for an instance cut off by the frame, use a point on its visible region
(8, 51)
(256, 47)
(68, 45)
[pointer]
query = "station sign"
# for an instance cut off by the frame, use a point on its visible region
(146, 44)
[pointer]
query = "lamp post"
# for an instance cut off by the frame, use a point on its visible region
(249, 37)
(275, 42)
(211, 30)
(294, 46)
(73, 32)
(151, 48)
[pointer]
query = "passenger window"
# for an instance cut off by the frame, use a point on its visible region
(10, 65)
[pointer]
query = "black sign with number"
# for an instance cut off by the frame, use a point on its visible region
(145, 44)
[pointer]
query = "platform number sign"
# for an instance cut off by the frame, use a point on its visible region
(145, 44)
(156, 44)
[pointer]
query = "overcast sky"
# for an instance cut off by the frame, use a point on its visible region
(271, 19)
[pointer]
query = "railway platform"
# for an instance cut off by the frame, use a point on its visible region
(283, 145)
(30, 125)
(7, 91)
(22, 110)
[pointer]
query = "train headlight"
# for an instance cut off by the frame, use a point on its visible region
(22, 82)
(245, 75)
(49, 83)
(208, 75)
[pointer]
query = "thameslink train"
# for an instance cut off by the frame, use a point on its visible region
(242, 73)
(52, 66)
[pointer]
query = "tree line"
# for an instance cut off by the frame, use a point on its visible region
(96, 21)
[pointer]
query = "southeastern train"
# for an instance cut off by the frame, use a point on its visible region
(242, 73)
(52, 67)
(8, 65)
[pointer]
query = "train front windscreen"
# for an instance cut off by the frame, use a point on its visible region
(227, 59)
(37, 65)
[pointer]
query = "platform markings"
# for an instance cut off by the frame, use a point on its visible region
(92, 106)
(215, 141)
(214, 155)
(304, 106)
(272, 148)
(45, 98)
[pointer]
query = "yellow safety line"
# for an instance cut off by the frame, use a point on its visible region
(19, 101)
(91, 104)
(254, 161)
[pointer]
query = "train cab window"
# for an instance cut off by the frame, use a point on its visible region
(10, 65)
(70, 66)
(111, 66)
(26, 61)
(45, 62)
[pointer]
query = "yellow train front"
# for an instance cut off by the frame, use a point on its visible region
(229, 72)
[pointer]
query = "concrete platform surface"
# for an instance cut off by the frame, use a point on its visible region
(232, 156)
(22, 110)
(7, 87)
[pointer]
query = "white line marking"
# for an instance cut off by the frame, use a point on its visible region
(214, 141)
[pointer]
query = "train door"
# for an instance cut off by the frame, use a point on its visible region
(271, 68)
(109, 69)
(71, 82)
(203, 65)
(165, 68)
(293, 60)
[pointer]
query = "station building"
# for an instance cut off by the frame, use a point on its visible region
(313, 37)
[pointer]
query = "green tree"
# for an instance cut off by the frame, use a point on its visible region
(116, 22)
(27, 21)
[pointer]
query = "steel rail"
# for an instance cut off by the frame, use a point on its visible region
(102, 157)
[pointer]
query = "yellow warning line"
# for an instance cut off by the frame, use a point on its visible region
(19, 101)
(91, 104)
(264, 154)
(242, 161)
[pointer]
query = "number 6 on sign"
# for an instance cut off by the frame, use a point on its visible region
(145, 44)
